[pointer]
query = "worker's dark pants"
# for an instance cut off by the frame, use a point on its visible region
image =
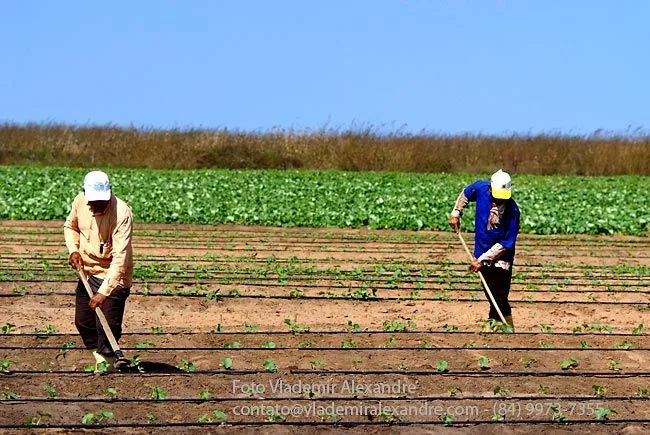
(87, 322)
(499, 282)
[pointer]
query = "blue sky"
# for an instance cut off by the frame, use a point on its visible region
(445, 66)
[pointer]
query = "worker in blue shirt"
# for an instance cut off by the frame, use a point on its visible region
(496, 229)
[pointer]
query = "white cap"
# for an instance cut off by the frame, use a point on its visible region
(97, 186)
(501, 185)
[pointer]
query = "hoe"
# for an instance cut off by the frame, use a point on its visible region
(120, 360)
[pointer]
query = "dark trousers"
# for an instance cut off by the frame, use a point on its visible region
(87, 322)
(499, 282)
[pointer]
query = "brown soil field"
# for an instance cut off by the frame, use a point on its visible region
(287, 330)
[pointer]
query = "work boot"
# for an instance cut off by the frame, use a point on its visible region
(102, 363)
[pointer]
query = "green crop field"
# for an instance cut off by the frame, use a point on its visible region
(549, 204)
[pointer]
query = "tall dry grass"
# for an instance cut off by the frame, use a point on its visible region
(362, 150)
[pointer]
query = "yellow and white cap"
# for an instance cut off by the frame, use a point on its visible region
(501, 185)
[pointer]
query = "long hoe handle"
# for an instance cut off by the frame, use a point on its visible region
(487, 288)
(102, 318)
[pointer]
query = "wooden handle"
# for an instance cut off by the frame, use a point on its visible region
(100, 315)
(487, 288)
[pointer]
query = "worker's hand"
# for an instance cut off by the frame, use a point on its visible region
(475, 266)
(454, 223)
(75, 261)
(97, 300)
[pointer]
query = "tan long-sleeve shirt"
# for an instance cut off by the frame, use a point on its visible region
(103, 240)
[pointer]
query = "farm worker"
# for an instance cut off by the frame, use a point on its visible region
(496, 228)
(98, 237)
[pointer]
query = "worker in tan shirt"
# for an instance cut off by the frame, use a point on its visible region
(98, 237)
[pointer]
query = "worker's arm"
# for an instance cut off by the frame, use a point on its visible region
(121, 252)
(466, 195)
(71, 234)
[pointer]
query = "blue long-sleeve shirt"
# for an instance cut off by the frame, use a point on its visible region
(487, 234)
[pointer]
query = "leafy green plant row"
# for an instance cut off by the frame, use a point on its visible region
(549, 204)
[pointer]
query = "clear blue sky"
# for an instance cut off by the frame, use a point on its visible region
(447, 66)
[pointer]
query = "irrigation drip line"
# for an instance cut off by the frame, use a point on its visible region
(305, 279)
(337, 349)
(607, 254)
(213, 399)
(399, 261)
(326, 332)
(341, 298)
(405, 278)
(340, 287)
(455, 423)
(347, 232)
(312, 239)
(476, 374)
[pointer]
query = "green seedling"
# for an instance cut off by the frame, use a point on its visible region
(273, 417)
(545, 345)
(187, 366)
(449, 328)
(570, 363)
(442, 366)
(270, 366)
(388, 417)
(547, 329)
(96, 418)
(484, 363)
(296, 293)
(216, 415)
(603, 413)
(110, 392)
(453, 391)
(7, 328)
(226, 363)
(426, 344)
(544, 389)
(151, 418)
(557, 415)
(500, 391)
(614, 365)
(204, 394)
(5, 364)
(269, 345)
(157, 329)
(346, 344)
(640, 329)
(447, 420)
(398, 326)
(599, 390)
(584, 344)
(295, 327)
(317, 363)
(233, 345)
(626, 344)
(158, 393)
(217, 330)
(9, 395)
(249, 327)
(527, 362)
(353, 327)
(51, 391)
(498, 417)
(36, 419)
(144, 345)
(642, 392)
